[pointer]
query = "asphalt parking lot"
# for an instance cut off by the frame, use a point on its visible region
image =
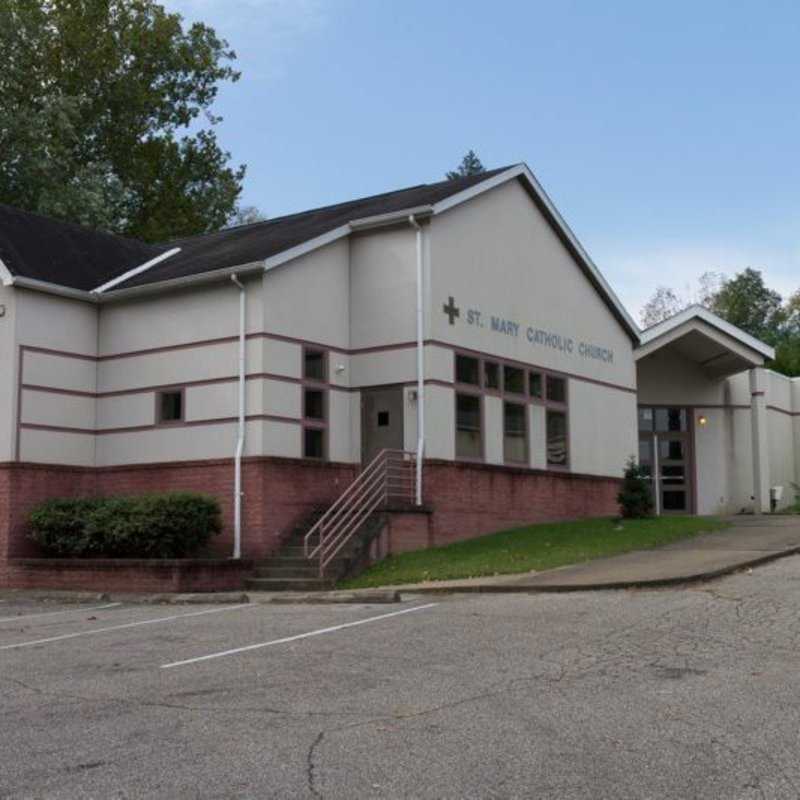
(679, 693)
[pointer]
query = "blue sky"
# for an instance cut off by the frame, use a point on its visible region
(666, 134)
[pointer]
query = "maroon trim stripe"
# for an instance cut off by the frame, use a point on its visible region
(304, 342)
(137, 428)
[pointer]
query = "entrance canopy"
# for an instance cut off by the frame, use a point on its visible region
(719, 348)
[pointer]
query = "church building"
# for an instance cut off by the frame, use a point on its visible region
(458, 326)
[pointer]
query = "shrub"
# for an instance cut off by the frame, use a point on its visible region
(169, 525)
(635, 498)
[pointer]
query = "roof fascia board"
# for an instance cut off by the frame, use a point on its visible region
(6, 278)
(584, 260)
(306, 247)
(699, 312)
(131, 273)
(22, 282)
(179, 283)
(392, 218)
(730, 344)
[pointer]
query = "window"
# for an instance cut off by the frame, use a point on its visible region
(469, 443)
(383, 419)
(556, 389)
(314, 404)
(517, 385)
(515, 433)
(670, 419)
(314, 365)
(556, 438)
(514, 379)
(491, 375)
(314, 442)
(169, 407)
(467, 370)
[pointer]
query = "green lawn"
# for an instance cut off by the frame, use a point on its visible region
(535, 547)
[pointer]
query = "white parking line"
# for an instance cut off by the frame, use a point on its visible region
(20, 617)
(286, 639)
(126, 625)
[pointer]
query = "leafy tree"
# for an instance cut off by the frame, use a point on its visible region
(470, 165)
(667, 302)
(245, 215)
(96, 99)
(664, 303)
(746, 301)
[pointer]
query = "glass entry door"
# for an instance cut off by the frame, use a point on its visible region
(665, 456)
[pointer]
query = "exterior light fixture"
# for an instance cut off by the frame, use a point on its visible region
(702, 420)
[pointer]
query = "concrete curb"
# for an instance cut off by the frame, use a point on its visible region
(367, 596)
(563, 588)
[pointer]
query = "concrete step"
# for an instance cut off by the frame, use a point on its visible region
(288, 584)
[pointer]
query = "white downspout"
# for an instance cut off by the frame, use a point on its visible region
(420, 364)
(237, 481)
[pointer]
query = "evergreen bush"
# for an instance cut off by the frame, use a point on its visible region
(635, 498)
(166, 525)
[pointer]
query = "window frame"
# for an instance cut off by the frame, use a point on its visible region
(526, 398)
(321, 385)
(159, 394)
(526, 460)
(482, 422)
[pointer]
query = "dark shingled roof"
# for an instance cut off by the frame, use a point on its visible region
(33, 246)
(237, 246)
(37, 247)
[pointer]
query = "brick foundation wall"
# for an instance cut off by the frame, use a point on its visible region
(279, 493)
(464, 500)
(128, 575)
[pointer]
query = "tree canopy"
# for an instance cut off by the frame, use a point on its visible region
(470, 165)
(745, 301)
(105, 117)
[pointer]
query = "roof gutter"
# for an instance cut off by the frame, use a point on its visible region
(18, 281)
(187, 280)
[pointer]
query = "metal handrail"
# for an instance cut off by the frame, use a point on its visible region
(388, 477)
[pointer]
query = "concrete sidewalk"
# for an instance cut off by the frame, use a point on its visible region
(748, 542)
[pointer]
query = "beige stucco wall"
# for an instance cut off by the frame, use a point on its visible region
(62, 325)
(498, 256)
(8, 374)
(723, 447)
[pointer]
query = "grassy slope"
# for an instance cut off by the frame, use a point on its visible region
(535, 547)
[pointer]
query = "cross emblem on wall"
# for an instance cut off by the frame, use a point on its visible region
(451, 310)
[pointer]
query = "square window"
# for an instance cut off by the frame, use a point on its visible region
(169, 406)
(515, 438)
(468, 426)
(674, 501)
(491, 374)
(383, 419)
(645, 419)
(314, 404)
(557, 438)
(314, 443)
(467, 370)
(535, 384)
(314, 365)
(514, 379)
(556, 389)
(670, 419)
